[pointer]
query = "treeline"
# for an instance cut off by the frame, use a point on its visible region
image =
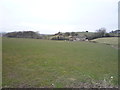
(64, 36)
(102, 33)
(85, 35)
(23, 34)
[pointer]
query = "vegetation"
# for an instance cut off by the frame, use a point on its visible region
(47, 63)
(65, 36)
(24, 34)
(110, 40)
(116, 31)
(113, 41)
(87, 35)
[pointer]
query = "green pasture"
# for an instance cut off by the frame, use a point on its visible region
(47, 63)
(108, 40)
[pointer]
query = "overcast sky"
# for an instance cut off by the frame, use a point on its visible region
(51, 16)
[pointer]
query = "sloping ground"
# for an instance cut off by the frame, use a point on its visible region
(113, 41)
(85, 33)
(81, 34)
(46, 63)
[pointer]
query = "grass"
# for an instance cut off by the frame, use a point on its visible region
(46, 63)
(108, 40)
(85, 33)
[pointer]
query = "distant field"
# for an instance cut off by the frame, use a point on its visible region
(109, 40)
(85, 33)
(46, 63)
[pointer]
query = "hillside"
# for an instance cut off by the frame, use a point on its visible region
(113, 41)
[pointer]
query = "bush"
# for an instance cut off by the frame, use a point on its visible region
(107, 35)
(59, 38)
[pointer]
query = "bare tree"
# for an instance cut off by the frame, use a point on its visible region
(101, 32)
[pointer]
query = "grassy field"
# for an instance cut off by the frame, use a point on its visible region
(109, 40)
(46, 63)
